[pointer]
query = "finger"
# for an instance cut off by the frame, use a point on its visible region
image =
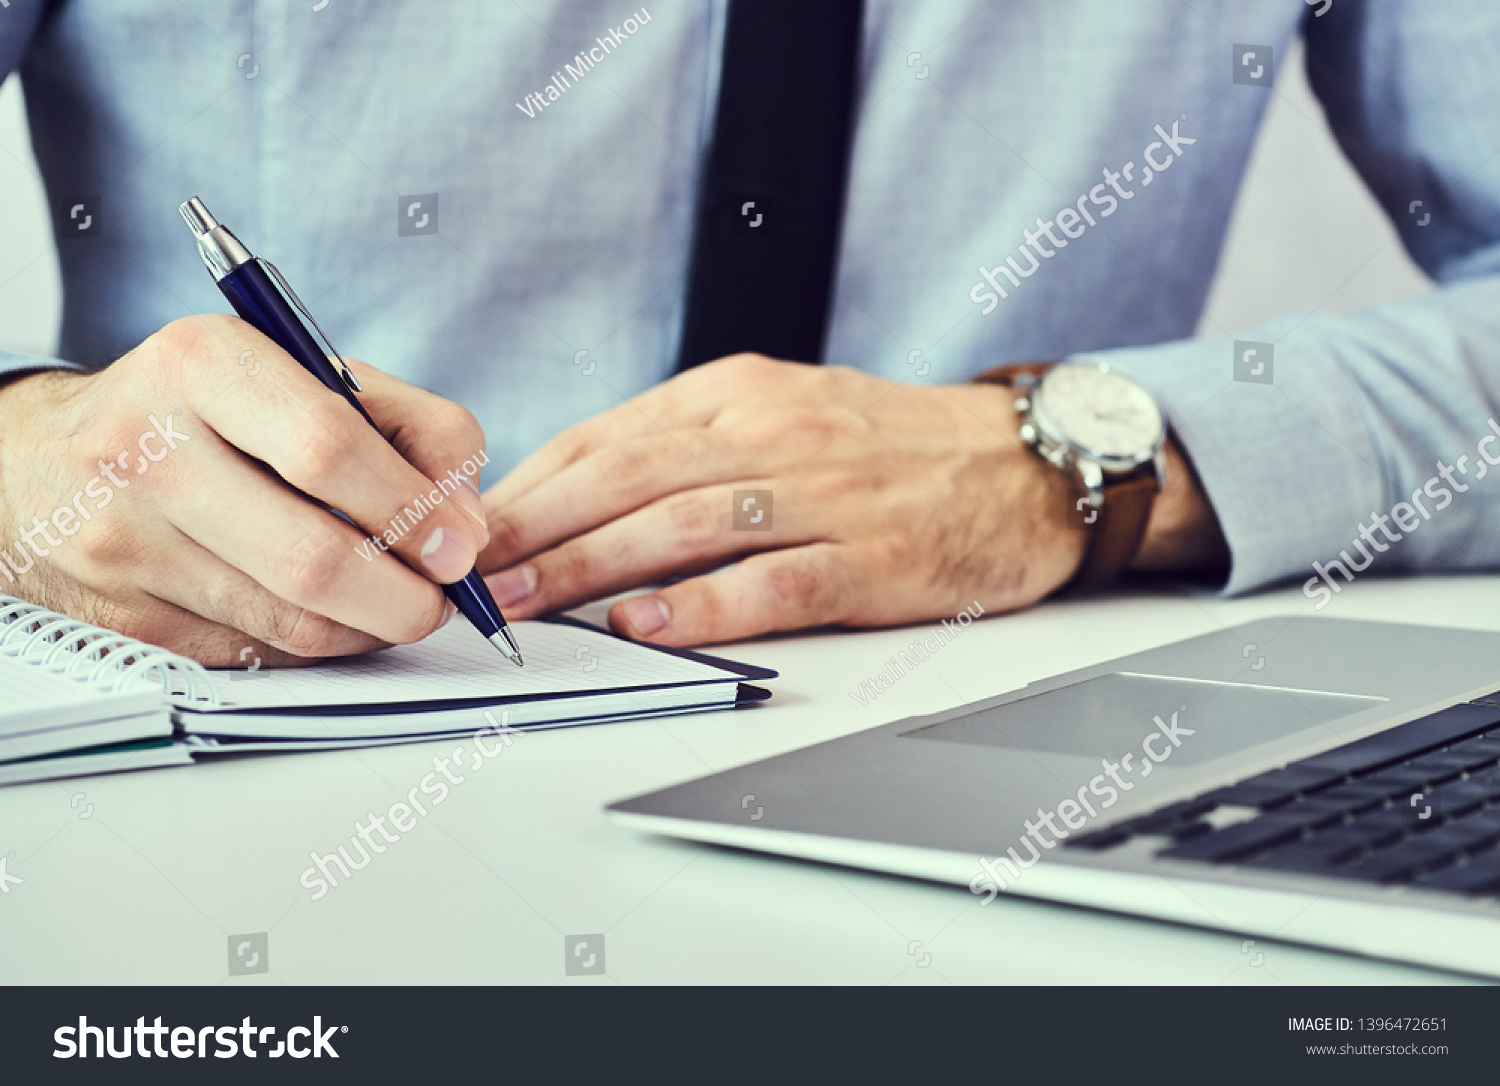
(296, 551)
(178, 630)
(689, 400)
(319, 444)
(779, 590)
(609, 483)
(270, 628)
(685, 532)
(436, 436)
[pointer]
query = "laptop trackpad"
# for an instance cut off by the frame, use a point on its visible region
(1108, 714)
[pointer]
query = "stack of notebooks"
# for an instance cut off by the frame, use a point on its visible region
(77, 700)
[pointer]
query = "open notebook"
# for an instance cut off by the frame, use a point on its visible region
(84, 687)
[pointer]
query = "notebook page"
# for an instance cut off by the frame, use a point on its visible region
(456, 662)
(33, 699)
(27, 688)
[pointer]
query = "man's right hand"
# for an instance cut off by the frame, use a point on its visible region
(156, 498)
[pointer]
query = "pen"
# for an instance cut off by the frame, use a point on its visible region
(262, 296)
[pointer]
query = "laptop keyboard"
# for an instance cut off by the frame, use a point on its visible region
(1416, 805)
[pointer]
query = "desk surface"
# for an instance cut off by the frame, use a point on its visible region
(173, 862)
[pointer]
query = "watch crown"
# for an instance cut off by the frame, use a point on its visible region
(1028, 433)
(1023, 405)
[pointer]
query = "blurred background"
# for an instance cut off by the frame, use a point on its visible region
(1305, 233)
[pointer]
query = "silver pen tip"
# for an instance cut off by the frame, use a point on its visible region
(197, 216)
(507, 644)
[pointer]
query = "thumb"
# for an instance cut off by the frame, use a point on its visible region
(772, 591)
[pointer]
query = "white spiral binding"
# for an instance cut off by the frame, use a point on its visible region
(101, 658)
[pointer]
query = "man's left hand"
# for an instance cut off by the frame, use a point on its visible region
(889, 503)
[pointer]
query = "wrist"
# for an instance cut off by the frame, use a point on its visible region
(1183, 532)
(1105, 435)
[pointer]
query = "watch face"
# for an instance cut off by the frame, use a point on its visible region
(1100, 412)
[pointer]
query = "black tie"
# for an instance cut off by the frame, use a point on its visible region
(771, 203)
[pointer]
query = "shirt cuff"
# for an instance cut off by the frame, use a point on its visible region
(1288, 467)
(16, 364)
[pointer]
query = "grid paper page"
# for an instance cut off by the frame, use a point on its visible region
(26, 688)
(455, 662)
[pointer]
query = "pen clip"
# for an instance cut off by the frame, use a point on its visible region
(291, 296)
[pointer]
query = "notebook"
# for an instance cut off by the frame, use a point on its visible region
(88, 700)
(75, 699)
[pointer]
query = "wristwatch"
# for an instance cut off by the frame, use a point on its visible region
(1106, 433)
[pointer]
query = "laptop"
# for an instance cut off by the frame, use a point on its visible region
(1320, 781)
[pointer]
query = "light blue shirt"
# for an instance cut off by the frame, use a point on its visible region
(565, 228)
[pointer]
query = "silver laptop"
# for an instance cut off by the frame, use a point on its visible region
(1319, 781)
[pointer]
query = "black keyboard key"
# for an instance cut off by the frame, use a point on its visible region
(1394, 864)
(1398, 820)
(1315, 855)
(1174, 820)
(1165, 818)
(1371, 833)
(1274, 788)
(1487, 746)
(1315, 812)
(1489, 818)
(1242, 839)
(1363, 794)
(1429, 850)
(1405, 740)
(1459, 798)
(1481, 875)
(1488, 778)
(1449, 762)
(1412, 778)
(1470, 835)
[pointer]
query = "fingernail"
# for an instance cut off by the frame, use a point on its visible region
(448, 612)
(513, 586)
(445, 557)
(469, 501)
(647, 614)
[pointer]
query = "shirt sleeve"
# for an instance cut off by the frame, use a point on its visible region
(17, 364)
(18, 23)
(1364, 413)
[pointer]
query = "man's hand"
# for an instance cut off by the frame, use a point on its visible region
(156, 498)
(891, 504)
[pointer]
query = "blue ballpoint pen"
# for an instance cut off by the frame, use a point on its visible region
(261, 296)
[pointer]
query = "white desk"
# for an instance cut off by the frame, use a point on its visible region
(172, 862)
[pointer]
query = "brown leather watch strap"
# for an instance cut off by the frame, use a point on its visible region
(1006, 375)
(1121, 526)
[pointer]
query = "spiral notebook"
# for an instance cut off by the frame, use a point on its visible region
(76, 699)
